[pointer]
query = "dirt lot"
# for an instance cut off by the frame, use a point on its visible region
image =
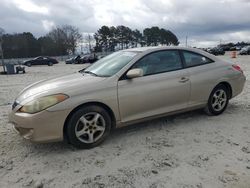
(190, 150)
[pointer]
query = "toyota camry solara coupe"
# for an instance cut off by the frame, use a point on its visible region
(123, 88)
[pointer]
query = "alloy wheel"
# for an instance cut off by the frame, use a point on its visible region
(90, 127)
(219, 100)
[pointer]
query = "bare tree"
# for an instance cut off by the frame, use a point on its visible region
(66, 38)
(59, 38)
(1, 48)
(72, 36)
(89, 40)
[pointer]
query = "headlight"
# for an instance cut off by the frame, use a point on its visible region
(43, 103)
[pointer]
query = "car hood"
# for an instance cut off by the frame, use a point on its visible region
(64, 84)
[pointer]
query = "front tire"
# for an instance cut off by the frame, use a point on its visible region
(218, 100)
(88, 127)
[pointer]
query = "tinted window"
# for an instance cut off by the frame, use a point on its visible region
(193, 59)
(159, 62)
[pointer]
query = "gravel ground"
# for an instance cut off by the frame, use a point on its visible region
(190, 150)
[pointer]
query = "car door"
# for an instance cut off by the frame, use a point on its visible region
(38, 61)
(44, 61)
(164, 87)
(204, 74)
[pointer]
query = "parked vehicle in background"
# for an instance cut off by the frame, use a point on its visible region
(216, 51)
(89, 58)
(123, 88)
(41, 61)
(235, 48)
(232, 48)
(73, 60)
(245, 51)
(238, 48)
(225, 47)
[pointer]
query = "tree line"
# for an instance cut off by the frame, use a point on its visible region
(63, 40)
(59, 41)
(122, 37)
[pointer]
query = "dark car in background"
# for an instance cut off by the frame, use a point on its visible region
(89, 58)
(235, 48)
(41, 61)
(74, 60)
(216, 51)
(245, 51)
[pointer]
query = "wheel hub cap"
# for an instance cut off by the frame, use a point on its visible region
(90, 127)
(219, 100)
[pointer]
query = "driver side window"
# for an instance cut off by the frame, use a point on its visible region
(159, 62)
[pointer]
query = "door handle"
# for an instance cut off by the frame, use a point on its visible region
(183, 79)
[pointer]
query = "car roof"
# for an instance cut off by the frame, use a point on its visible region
(41, 56)
(141, 49)
(157, 48)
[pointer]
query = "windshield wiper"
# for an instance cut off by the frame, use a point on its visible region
(89, 72)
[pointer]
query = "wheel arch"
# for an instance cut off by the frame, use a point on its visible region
(100, 104)
(228, 86)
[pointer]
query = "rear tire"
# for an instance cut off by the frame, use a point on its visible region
(218, 100)
(88, 127)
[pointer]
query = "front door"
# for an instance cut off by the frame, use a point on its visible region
(164, 87)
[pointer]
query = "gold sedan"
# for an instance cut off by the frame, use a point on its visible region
(123, 88)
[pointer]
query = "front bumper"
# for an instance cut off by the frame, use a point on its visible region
(44, 126)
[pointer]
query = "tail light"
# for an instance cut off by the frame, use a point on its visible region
(237, 67)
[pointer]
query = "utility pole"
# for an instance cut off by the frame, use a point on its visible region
(1, 52)
(89, 39)
(1, 48)
(186, 41)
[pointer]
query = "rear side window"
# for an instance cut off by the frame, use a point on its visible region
(193, 59)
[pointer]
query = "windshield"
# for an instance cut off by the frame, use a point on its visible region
(111, 64)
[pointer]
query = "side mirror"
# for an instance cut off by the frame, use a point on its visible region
(134, 73)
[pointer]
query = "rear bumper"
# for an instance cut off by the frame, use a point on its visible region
(41, 127)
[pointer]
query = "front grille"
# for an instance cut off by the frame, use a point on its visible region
(14, 104)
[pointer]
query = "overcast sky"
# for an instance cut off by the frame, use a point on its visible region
(205, 22)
